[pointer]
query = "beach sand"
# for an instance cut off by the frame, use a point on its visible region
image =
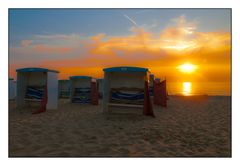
(197, 126)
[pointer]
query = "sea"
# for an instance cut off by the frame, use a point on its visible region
(199, 88)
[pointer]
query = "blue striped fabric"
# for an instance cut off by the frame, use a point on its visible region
(82, 95)
(127, 97)
(82, 90)
(34, 92)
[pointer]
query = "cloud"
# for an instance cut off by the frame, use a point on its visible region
(98, 37)
(72, 36)
(25, 43)
(149, 26)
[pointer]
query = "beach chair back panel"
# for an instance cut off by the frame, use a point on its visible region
(128, 80)
(81, 83)
(36, 78)
(160, 93)
(64, 89)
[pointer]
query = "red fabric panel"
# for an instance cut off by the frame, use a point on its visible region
(160, 93)
(94, 93)
(43, 105)
(163, 94)
(156, 90)
(147, 108)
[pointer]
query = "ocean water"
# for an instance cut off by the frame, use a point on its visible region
(199, 88)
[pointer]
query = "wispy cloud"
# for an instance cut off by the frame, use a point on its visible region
(57, 36)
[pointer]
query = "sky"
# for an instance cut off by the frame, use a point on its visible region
(84, 41)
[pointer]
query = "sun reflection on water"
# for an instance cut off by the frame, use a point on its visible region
(187, 88)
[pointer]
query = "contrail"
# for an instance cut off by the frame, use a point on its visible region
(131, 20)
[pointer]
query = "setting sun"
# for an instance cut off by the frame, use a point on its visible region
(187, 68)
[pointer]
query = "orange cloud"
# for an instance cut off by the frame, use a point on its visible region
(98, 37)
(143, 46)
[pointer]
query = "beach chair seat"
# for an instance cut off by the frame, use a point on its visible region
(34, 93)
(64, 94)
(132, 96)
(82, 95)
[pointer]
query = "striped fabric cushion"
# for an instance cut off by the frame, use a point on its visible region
(128, 97)
(82, 95)
(34, 92)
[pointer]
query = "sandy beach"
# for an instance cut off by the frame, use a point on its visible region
(189, 127)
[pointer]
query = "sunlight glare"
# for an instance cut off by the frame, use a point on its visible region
(187, 68)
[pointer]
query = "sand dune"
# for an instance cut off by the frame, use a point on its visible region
(189, 126)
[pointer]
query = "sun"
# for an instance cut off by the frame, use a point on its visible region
(187, 68)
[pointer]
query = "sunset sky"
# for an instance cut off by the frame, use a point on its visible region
(84, 41)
